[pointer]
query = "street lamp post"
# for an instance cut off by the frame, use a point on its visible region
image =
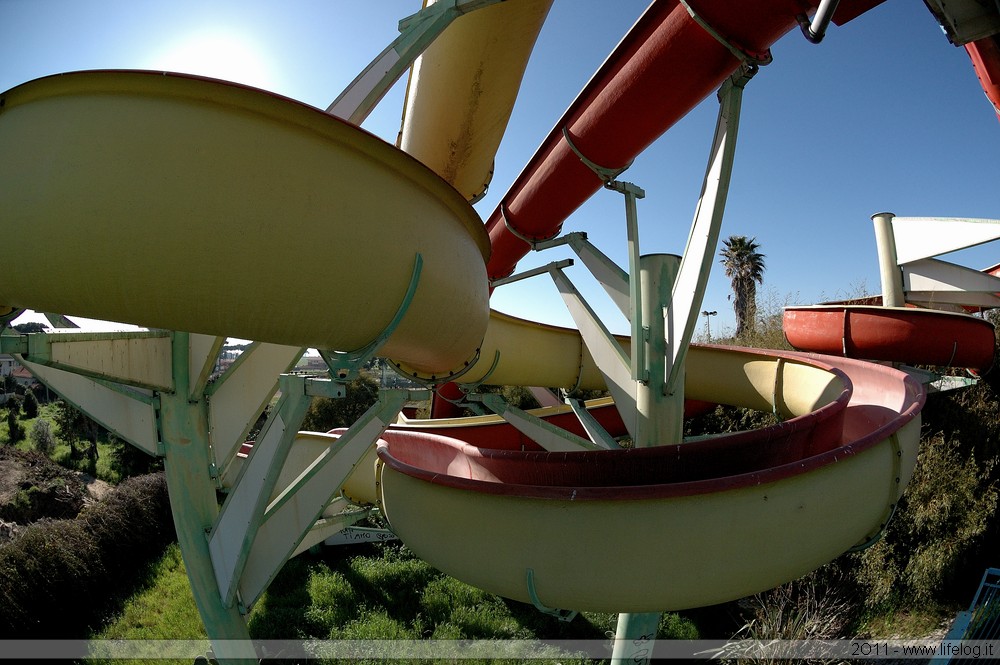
(708, 327)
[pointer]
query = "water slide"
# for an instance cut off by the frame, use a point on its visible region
(662, 68)
(170, 181)
(985, 56)
(182, 203)
(924, 315)
(896, 334)
(669, 527)
(475, 67)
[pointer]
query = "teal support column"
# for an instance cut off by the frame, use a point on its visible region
(660, 415)
(635, 638)
(660, 421)
(184, 433)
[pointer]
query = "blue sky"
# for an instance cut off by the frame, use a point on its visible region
(884, 114)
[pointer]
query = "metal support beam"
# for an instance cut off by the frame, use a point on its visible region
(59, 321)
(632, 193)
(594, 430)
(611, 360)
(950, 283)
(534, 272)
(193, 503)
(239, 396)
(8, 315)
(548, 436)
(668, 304)
(417, 32)
(327, 529)
(297, 508)
(130, 413)
(635, 637)
(204, 352)
(243, 512)
(692, 277)
(923, 237)
(659, 412)
(612, 278)
(140, 359)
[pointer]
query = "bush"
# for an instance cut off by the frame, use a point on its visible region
(814, 607)
(62, 577)
(35, 487)
(15, 431)
(30, 405)
(326, 414)
(41, 437)
(128, 460)
(941, 519)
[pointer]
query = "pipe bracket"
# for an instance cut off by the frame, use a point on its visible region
(739, 52)
(562, 615)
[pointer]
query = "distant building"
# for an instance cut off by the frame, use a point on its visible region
(7, 364)
(24, 377)
(10, 367)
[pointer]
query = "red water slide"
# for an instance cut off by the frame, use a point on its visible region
(666, 64)
(663, 67)
(985, 56)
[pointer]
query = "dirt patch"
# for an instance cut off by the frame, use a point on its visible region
(33, 487)
(96, 488)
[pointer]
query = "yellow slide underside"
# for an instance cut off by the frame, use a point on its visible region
(462, 91)
(190, 204)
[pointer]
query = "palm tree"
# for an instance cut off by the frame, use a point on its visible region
(745, 269)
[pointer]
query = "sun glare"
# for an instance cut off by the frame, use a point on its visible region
(218, 54)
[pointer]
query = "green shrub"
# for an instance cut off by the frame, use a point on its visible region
(41, 488)
(947, 508)
(29, 406)
(41, 437)
(15, 431)
(128, 460)
(325, 414)
(60, 577)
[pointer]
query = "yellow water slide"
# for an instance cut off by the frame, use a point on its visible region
(190, 204)
(669, 527)
(526, 353)
(462, 90)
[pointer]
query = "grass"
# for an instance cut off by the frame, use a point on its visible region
(104, 469)
(371, 592)
(906, 622)
(165, 610)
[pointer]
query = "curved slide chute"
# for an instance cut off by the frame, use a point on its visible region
(909, 335)
(491, 431)
(985, 56)
(664, 66)
(462, 89)
(712, 520)
(138, 196)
